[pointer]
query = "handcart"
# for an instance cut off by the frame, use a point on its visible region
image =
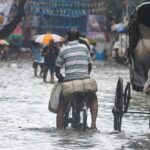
(138, 56)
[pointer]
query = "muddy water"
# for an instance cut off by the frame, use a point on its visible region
(26, 123)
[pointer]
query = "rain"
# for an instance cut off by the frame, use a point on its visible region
(26, 122)
(113, 37)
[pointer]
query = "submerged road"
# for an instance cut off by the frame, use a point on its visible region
(26, 123)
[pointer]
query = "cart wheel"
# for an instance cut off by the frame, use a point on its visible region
(118, 108)
(127, 97)
(149, 119)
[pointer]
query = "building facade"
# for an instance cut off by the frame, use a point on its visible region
(58, 16)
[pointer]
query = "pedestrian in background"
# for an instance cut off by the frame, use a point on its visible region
(38, 59)
(4, 53)
(50, 53)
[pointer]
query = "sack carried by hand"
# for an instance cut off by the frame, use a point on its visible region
(54, 97)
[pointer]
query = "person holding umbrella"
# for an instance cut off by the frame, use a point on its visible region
(38, 59)
(50, 53)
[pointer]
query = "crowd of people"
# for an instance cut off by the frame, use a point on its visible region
(44, 59)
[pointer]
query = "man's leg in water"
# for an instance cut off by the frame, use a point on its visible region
(35, 72)
(52, 69)
(42, 69)
(60, 115)
(35, 68)
(45, 73)
(94, 109)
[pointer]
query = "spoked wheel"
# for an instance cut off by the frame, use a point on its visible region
(80, 116)
(66, 120)
(118, 106)
(149, 119)
(84, 118)
(127, 97)
(76, 116)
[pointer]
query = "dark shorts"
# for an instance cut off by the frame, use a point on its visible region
(36, 64)
(88, 96)
(49, 67)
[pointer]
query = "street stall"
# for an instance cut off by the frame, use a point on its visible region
(121, 43)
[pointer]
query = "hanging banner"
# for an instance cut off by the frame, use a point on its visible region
(5, 6)
(96, 26)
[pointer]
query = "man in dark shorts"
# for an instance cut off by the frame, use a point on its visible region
(50, 53)
(76, 59)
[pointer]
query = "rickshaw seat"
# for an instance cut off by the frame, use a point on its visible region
(141, 59)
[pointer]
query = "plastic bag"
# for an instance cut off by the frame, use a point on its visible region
(54, 97)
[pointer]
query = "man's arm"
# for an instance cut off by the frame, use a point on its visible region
(44, 51)
(89, 67)
(58, 74)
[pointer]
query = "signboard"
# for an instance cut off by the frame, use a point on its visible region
(5, 6)
(96, 26)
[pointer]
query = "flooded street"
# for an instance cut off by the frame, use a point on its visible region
(26, 123)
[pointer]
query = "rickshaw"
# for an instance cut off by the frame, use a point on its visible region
(138, 56)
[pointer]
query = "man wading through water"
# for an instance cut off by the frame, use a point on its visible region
(78, 64)
(50, 53)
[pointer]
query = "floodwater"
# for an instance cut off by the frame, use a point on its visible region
(26, 123)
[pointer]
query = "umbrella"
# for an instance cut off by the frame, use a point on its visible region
(4, 42)
(120, 28)
(46, 38)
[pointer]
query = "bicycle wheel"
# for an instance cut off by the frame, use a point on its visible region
(118, 107)
(80, 115)
(74, 123)
(84, 119)
(66, 120)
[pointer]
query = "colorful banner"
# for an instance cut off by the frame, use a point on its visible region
(96, 26)
(18, 30)
(5, 7)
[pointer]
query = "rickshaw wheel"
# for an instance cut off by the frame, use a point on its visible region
(118, 105)
(127, 97)
(149, 119)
